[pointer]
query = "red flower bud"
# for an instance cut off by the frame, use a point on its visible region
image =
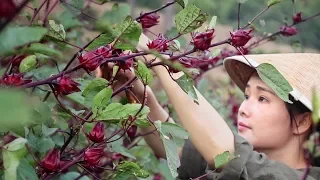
(240, 37)
(149, 20)
(7, 9)
(51, 162)
(157, 176)
(125, 65)
(131, 132)
(159, 44)
(205, 64)
(104, 51)
(227, 53)
(288, 31)
(117, 156)
(66, 86)
(97, 133)
(93, 59)
(14, 80)
(297, 18)
(202, 40)
(93, 155)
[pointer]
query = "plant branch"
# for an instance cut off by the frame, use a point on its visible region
(8, 67)
(156, 10)
(250, 22)
(37, 11)
(49, 11)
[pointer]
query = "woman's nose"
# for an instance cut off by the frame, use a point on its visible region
(244, 109)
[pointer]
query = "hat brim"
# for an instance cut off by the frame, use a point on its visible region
(240, 69)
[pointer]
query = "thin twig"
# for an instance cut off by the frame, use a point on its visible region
(37, 11)
(156, 10)
(239, 5)
(250, 22)
(49, 11)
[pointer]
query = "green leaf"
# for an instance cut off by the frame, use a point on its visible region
(143, 73)
(187, 85)
(126, 169)
(92, 89)
(117, 14)
(102, 40)
(222, 159)
(72, 176)
(118, 147)
(103, 1)
(315, 106)
(213, 22)
(18, 36)
(101, 100)
(273, 78)
(28, 63)
(174, 130)
(273, 2)
(183, 3)
(25, 170)
(68, 20)
(56, 31)
(77, 3)
(116, 112)
(48, 131)
(42, 49)
(215, 52)
(189, 19)
(127, 34)
(166, 130)
(12, 153)
(16, 112)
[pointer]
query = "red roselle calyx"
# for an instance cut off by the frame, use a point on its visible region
(97, 133)
(125, 65)
(240, 37)
(7, 8)
(93, 155)
(132, 131)
(203, 40)
(66, 85)
(149, 20)
(93, 59)
(288, 31)
(297, 18)
(159, 44)
(51, 162)
(14, 80)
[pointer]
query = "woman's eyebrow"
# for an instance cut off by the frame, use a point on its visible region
(262, 89)
(266, 90)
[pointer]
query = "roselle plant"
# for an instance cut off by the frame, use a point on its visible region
(59, 121)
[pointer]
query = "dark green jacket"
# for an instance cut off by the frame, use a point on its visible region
(250, 165)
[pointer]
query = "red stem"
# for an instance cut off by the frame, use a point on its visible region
(37, 11)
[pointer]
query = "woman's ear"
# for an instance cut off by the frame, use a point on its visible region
(302, 124)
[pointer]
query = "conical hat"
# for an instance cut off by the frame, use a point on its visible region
(301, 70)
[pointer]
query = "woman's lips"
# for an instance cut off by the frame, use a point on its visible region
(242, 126)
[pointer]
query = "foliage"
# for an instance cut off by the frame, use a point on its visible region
(59, 120)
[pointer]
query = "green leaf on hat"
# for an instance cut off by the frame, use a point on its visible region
(315, 107)
(273, 78)
(189, 19)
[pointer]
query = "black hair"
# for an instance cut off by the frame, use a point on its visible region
(295, 108)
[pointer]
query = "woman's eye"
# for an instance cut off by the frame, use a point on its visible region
(246, 96)
(262, 99)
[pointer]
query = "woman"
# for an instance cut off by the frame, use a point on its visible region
(271, 132)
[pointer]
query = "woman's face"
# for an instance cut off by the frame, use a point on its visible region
(265, 115)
